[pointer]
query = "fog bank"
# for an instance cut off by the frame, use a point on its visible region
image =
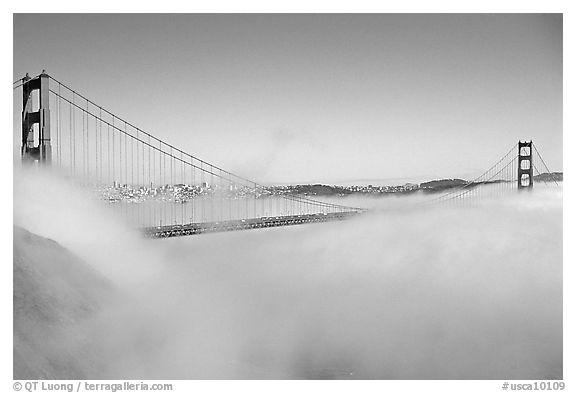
(409, 292)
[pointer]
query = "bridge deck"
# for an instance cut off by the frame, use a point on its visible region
(238, 225)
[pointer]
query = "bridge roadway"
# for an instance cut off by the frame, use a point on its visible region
(238, 225)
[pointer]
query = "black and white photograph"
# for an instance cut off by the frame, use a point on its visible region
(287, 196)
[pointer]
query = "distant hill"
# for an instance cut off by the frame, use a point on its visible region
(321, 190)
(549, 177)
(433, 186)
(443, 184)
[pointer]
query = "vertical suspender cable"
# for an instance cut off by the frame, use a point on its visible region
(113, 153)
(164, 185)
(100, 152)
(96, 150)
(149, 178)
(182, 181)
(137, 161)
(192, 219)
(121, 166)
(83, 147)
(87, 144)
(125, 157)
(221, 197)
(108, 151)
(212, 193)
(58, 130)
(202, 206)
(70, 142)
(173, 218)
(162, 167)
(155, 185)
(132, 161)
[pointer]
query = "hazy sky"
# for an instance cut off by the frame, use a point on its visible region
(334, 98)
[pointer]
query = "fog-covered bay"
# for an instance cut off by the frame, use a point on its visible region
(407, 291)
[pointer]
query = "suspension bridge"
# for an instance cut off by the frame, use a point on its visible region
(167, 192)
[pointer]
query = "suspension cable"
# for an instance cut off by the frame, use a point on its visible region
(543, 162)
(172, 147)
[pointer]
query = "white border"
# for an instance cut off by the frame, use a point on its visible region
(248, 6)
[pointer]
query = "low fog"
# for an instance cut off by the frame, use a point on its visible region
(407, 292)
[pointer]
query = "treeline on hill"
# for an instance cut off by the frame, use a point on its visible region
(549, 177)
(432, 186)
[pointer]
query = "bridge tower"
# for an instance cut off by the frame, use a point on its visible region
(39, 150)
(525, 167)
